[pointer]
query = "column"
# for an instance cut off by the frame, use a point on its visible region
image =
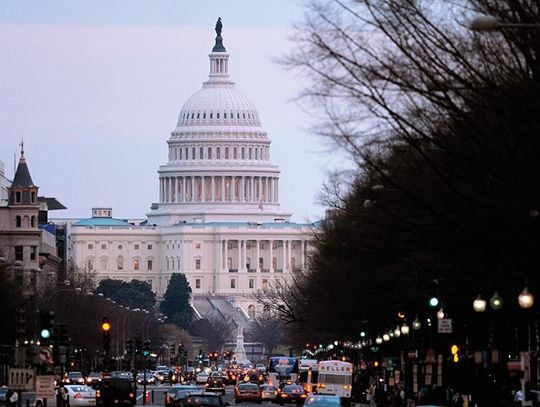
(271, 255)
(226, 266)
(183, 189)
(192, 189)
(222, 188)
(284, 255)
(242, 189)
(258, 251)
(177, 180)
(203, 189)
(161, 190)
(213, 188)
(244, 255)
(302, 249)
(219, 261)
(239, 254)
(259, 196)
(252, 197)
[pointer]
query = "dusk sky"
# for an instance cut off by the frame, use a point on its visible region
(95, 88)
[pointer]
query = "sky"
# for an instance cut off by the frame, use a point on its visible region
(95, 87)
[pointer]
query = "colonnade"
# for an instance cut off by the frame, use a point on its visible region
(219, 189)
(261, 255)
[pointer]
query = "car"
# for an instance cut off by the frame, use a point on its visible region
(162, 376)
(204, 399)
(269, 392)
(80, 396)
(74, 378)
(215, 383)
(291, 393)
(260, 368)
(323, 400)
(247, 392)
(201, 378)
(112, 391)
(93, 378)
(174, 397)
(3, 395)
(149, 378)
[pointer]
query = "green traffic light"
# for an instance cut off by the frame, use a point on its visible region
(146, 353)
(433, 302)
(45, 333)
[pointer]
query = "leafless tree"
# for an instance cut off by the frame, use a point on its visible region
(214, 332)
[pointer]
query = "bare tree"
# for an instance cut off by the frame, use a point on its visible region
(267, 329)
(214, 332)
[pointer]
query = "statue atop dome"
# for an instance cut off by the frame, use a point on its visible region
(219, 26)
(218, 46)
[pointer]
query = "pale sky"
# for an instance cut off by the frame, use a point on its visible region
(95, 88)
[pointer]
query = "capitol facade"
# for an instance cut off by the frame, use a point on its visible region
(218, 219)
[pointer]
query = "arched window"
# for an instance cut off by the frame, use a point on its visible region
(243, 153)
(103, 263)
(167, 261)
(120, 263)
(248, 263)
(201, 153)
(209, 153)
(235, 153)
(18, 221)
(136, 264)
(251, 311)
(193, 153)
(33, 221)
(249, 153)
(218, 153)
(90, 264)
(226, 153)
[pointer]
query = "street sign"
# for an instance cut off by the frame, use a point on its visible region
(46, 355)
(45, 387)
(444, 326)
(21, 379)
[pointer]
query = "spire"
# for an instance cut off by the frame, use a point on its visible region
(218, 46)
(22, 176)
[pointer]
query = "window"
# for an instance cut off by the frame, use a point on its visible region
(264, 284)
(218, 153)
(148, 264)
(226, 153)
(233, 283)
(18, 221)
(197, 245)
(136, 264)
(120, 263)
(33, 197)
(261, 262)
(18, 253)
(293, 263)
(197, 283)
(18, 197)
(90, 264)
(90, 246)
(251, 283)
(103, 246)
(103, 264)
(235, 153)
(136, 247)
(243, 153)
(192, 153)
(167, 263)
(197, 264)
(201, 153)
(149, 247)
(33, 254)
(209, 153)
(33, 221)
(119, 247)
(251, 311)
(178, 263)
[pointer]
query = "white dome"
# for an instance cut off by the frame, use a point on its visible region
(218, 104)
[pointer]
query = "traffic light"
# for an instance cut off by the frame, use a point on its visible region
(146, 349)
(46, 325)
(138, 346)
(129, 348)
(173, 349)
(61, 336)
(434, 301)
(106, 330)
(454, 350)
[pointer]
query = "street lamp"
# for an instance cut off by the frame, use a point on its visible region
(440, 313)
(491, 23)
(386, 337)
(525, 299)
(479, 304)
(404, 329)
(378, 340)
(496, 302)
(417, 325)
(397, 332)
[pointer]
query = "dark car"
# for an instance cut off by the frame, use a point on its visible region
(113, 391)
(247, 392)
(292, 393)
(176, 394)
(204, 399)
(323, 400)
(3, 393)
(215, 384)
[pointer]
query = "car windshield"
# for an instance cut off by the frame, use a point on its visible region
(203, 400)
(323, 401)
(248, 386)
(3, 390)
(80, 389)
(293, 389)
(75, 374)
(269, 388)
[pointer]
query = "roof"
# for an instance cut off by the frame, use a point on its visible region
(102, 222)
(52, 203)
(22, 176)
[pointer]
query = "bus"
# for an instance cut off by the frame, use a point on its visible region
(282, 368)
(308, 374)
(335, 377)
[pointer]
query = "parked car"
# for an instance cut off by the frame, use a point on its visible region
(269, 392)
(247, 392)
(80, 396)
(115, 392)
(323, 400)
(291, 393)
(204, 399)
(174, 397)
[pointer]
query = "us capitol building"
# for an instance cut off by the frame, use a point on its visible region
(218, 219)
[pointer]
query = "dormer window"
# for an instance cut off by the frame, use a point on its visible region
(18, 221)
(33, 197)
(18, 197)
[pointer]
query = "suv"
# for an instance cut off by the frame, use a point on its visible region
(115, 392)
(204, 400)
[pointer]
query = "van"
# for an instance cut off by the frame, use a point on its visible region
(112, 391)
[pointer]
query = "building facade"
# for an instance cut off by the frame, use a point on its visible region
(218, 219)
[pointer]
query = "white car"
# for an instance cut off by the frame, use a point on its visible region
(80, 396)
(201, 378)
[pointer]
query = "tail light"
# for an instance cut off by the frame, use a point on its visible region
(98, 393)
(321, 385)
(303, 395)
(131, 395)
(167, 398)
(77, 396)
